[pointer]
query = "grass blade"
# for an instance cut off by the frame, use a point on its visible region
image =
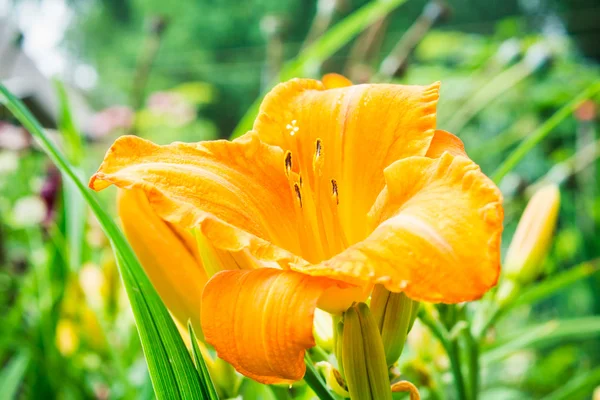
(208, 387)
(323, 48)
(74, 205)
(171, 369)
(545, 334)
(539, 134)
(578, 387)
(555, 283)
(12, 375)
(539, 292)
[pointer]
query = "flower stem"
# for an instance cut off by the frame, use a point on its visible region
(451, 347)
(459, 382)
(312, 378)
(473, 354)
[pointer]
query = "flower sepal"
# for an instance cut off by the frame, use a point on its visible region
(363, 357)
(394, 315)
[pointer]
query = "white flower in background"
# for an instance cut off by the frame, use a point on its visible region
(29, 211)
(9, 162)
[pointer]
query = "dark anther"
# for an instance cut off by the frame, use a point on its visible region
(334, 189)
(297, 189)
(318, 148)
(288, 162)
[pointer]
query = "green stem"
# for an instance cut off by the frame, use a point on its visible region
(455, 363)
(451, 347)
(521, 151)
(312, 379)
(473, 354)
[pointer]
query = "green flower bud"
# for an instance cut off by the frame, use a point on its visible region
(394, 314)
(363, 357)
(532, 239)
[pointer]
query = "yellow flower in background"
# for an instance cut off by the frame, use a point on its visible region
(336, 188)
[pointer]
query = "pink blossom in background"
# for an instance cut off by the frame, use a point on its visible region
(111, 119)
(173, 105)
(13, 137)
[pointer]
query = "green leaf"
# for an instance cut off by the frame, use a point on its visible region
(12, 375)
(578, 387)
(322, 48)
(536, 293)
(539, 134)
(208, 387)
(543, 335)
(171, 369)
(314, 380)
(74, 205)
(555, 283)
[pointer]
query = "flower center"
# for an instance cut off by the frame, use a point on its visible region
(319, 229)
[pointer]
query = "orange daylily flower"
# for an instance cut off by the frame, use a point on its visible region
(169, 255)
(336, 188)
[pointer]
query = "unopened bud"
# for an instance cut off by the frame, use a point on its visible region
(393, 313)
(333, 378)
(532, 239)
(363, 357)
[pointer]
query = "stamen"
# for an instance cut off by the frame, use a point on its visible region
(318, 148)
(292, 128)
(298, 193)
(334, 188)
(288, 162)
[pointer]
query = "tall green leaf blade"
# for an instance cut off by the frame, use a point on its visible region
(74, 205)
(322, 48)
(208, 387)
(171, 369)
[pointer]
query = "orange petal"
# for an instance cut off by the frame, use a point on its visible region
(332, 81)
(167, 253)
(362, 129)
(438, 234)
(445, 141)
(236, 193)
(261, 321)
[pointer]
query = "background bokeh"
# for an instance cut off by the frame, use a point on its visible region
(189, 70)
